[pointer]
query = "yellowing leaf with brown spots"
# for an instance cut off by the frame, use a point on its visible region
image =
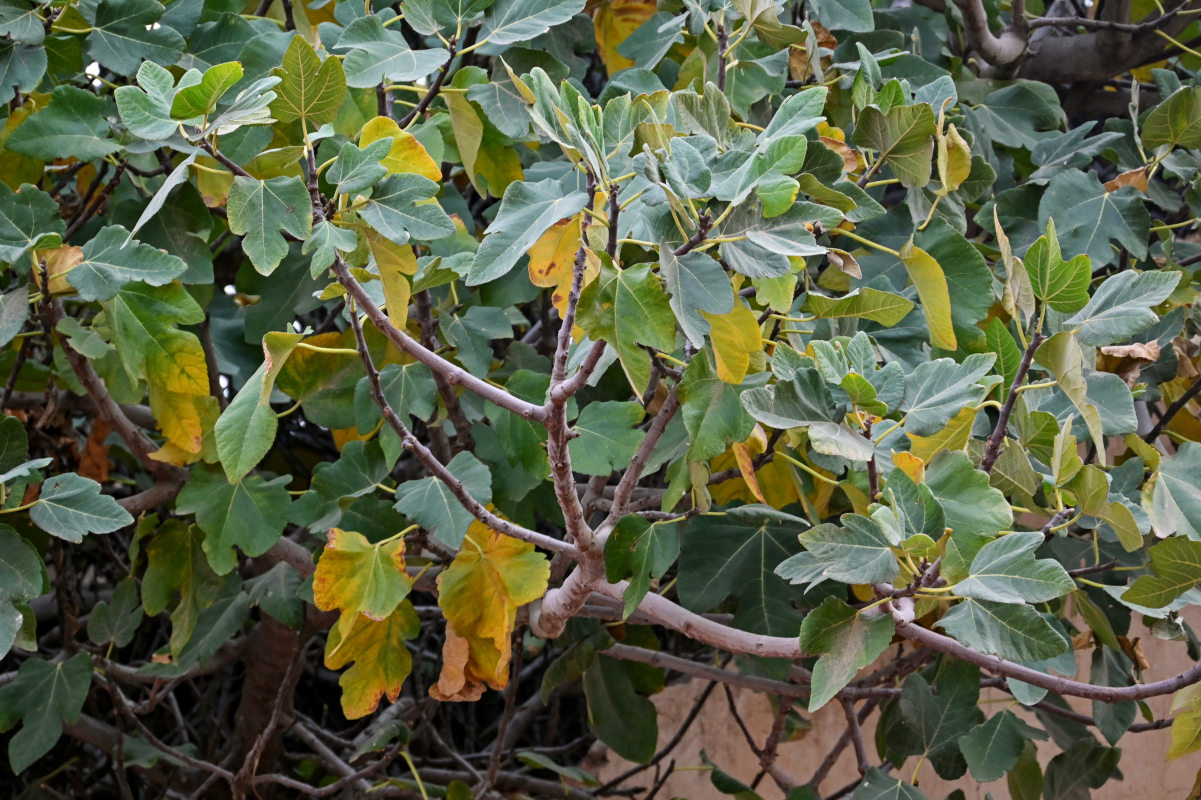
(355, 576)
(479, 594)
(552, 258)
(381, 660)
(614, 21)
(735, 337)
(177, 374)
(406, 154)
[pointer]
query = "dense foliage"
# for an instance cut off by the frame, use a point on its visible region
(531, 354)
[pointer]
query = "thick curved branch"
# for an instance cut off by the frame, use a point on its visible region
(1106, 694)
(999, 51)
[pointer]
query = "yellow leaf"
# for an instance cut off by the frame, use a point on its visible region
(614, 21)
(552, 257)
(742, 455)
(213, 182)
(931, 284)
(479, 594)
(954, 159)
(406, 154)
(308, 372)
(774, 482)
(911, 465)
(394, 261)
(1186, 727)
(952, 437)
(60, 261)
(179, 390)
(381, 660)
(355, 576)
(735, 335)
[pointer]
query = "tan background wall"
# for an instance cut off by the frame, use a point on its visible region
(715, 731)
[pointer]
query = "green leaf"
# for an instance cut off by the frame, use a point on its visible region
(124, 32)
(845, 15)
(1009, 355)
(29, 219)
(1089, 217)
(249, 514)
(1176, 121)
(627, 308)
(1092, 497)
(1015, 632)
(245, 431)
(937, 390)
(805, 400)
(903, 137)
(970, 504)
(45, 695)
(379, 54)
(200, 99)
(969, 280)
(357, 170)
(934, 724)
(74, 123)
(21, 577)
(1063, 285)
(111, 259)
(430, 503)
(874, 305)
(1176, 498)
(1062, 356)
(71, 506)
(695, 282)
(118, 621)
(147, 111)
(527, 211)
(1083, 766)
(511, 21)
(1121, 307)
(408, 388)
(259, 210)
(735, 555)
(310, 90)
(1006, 571)
(402, 206)
(993, 747)
(21, 68)
(176, 563)
(326, 241)
(14, 313)
(879, 785)
(21, 22)
(848, 641)
(1176, 562)
(275, 591)
(858, 552)
(607, 438)
(638, 550)
(617, 714)
(713, 415)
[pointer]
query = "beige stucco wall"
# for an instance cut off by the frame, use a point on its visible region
(1143, 754)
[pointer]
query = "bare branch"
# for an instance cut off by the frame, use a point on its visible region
(992, 450)
(432, 464)
(903, 614)
(999, 51)
(455, 375)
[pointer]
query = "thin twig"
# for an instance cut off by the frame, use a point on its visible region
(1173, 410)
(992, 450)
